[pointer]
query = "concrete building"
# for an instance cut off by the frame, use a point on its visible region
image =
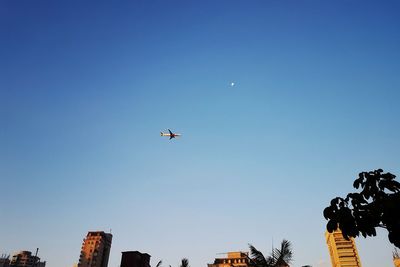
(26, 259)
(4, 260)
(135, 259)
(396, 258)
(95, 250)
(396, 262)
(232, 259)
(343, 252)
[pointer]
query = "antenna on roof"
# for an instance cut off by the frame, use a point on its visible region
(35, 259)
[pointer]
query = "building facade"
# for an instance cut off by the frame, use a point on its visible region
(396, 262)
(232, 259)
(135, 259)
(343, 252)
(95, 249)
(396, 258)
(4, 260)
(26, 259)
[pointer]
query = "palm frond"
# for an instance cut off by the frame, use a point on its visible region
(185, 263)
(270, 261)
(284, 255)
(257, 257)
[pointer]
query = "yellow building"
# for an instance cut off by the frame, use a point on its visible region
(396, 258)
(95, 250)
(233, 259)
(343, 252)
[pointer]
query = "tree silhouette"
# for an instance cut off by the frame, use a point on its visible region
(159, 263)
(185, 263)
(279, 257)
(377, 205)
(395, 254)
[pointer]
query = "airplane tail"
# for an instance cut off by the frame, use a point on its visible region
(162, 134)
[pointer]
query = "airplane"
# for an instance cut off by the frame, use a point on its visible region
(170, 134)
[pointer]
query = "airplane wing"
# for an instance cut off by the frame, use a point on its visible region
(170, 132)
(171, 136)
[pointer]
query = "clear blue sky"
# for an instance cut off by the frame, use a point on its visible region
(86, 87)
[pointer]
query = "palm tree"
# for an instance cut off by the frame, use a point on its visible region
(185, 263)
(280, 257)
(159, 263)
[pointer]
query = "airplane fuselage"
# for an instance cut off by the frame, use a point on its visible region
(170, 134)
